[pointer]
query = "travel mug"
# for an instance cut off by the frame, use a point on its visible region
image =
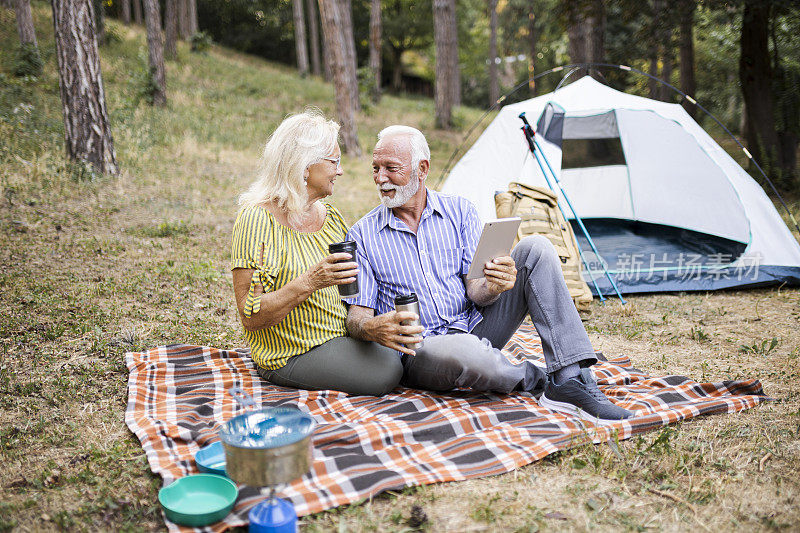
(351, 289)
(408, 302)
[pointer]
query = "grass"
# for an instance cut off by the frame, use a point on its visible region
(94, 267)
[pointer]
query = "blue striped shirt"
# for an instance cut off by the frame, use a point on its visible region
(432, 263)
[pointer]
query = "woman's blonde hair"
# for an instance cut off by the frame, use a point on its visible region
(298, 142)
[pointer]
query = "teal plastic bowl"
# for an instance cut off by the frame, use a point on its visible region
(199, 499)
(211, 459)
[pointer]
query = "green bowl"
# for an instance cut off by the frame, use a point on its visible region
(199, 499)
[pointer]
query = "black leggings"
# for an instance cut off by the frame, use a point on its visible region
(343, 364)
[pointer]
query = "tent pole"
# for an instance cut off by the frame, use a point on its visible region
(563, 214)
(532, 144)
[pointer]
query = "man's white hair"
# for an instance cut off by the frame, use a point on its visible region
(419, 145)
(298, 142)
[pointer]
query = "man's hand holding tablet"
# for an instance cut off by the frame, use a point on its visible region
(491, 259)
(500, 274)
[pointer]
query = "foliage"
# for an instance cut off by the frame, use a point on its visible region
(143, 81)
(113, 32)
(27, 61)
(27, 122)
(787, 103)
(200, 42)
(407, 26)
(765, 347)
(265, 28)
(259, 27)
(786, 85)
(367, 90)
(717, 51)
(166, 229)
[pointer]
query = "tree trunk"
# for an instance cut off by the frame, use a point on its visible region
(665, 32)
(331, 13)
(787, 115)
(183, 19)
(397, 69)
(755, 76)
(346, 13)
(137, 11)
(686, 59)
(328, 60)
(494, 85)
(655, 34)
(444, 16)
(578, 48)
(171, 29)
(666, 72)
(533, 39)
(734, 105)
(455, 84)
(578, 35)
(191, 15)
(596, 41)
(455, 68)
(86, 129)
(586, 26)
(300, 36)
(126, 11)
(152, 17)
(652, 83)
(8, 4)
(375, 48)
(100, 21)
(27, 34)
(743, 128)
(313, 28)
(787, 150)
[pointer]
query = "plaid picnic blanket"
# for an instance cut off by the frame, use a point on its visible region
(365, 445)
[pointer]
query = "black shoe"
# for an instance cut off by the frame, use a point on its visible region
(579, 396)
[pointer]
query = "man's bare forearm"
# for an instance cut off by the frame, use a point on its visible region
(357, 317)
(479, 293)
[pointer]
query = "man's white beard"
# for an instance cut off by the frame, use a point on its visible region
(401, 194)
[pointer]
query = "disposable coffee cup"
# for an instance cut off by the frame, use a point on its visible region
(349, 247)
(408, 302)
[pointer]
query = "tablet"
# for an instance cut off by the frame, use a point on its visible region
(496, 240)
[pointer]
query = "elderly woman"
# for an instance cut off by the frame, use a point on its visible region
(284, 279)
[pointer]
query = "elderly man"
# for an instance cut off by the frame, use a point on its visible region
(423, 242)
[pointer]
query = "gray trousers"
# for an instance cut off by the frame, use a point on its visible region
(460, 360)
(474, 360)
(344, 364)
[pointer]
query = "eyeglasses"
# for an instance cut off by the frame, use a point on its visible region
(335, 160)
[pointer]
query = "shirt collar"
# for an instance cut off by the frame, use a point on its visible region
(433, 204)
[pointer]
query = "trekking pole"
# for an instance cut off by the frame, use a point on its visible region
(563, 214)
(580, 250)
(574, 213)
(533, 145)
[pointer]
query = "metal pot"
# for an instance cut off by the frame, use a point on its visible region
(266, 447)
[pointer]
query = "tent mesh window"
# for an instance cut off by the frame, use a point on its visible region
(584, 153)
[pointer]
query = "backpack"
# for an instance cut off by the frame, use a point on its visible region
(538, 209)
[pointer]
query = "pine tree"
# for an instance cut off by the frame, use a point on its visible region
(87, 131)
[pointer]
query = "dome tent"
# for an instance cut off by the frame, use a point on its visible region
(667, 207)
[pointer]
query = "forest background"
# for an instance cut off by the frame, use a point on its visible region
(697, 46)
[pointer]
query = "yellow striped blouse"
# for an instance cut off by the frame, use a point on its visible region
(287, 254)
